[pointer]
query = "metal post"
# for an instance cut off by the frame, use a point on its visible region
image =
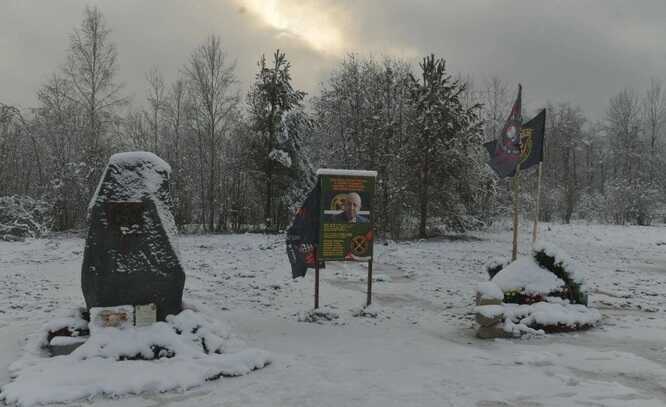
(369, 299)
(316, 260)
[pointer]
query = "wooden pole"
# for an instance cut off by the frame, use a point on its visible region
(316, 261)
(369, 299)
(516, 191)
(538, 204)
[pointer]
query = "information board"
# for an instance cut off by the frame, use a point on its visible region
(346, 217)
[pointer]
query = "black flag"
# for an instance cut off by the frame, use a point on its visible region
(506, 154)
(531, 142)
(303, 235)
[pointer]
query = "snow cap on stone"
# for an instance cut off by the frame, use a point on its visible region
(490, 290)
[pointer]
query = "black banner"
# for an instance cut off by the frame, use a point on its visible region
(531, 141)
(303, 235)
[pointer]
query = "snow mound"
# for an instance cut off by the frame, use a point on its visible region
(490, 290)
(319, 316)
(525, 275)
(179, 354)
(541, 317)
(372, 311)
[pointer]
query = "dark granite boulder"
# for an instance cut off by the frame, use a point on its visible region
(130, 257)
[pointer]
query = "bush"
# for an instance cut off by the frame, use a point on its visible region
(22, 217)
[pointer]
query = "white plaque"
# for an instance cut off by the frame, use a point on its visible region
(145, 315)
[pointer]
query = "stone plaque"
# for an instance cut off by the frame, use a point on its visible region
(125, 214)
(145, 315)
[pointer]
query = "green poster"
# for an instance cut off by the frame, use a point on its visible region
(346, 214)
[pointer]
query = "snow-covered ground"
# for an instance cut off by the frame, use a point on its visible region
(418, 350)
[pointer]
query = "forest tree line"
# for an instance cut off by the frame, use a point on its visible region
(243, 159)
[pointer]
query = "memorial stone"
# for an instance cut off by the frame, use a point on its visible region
(130, 257)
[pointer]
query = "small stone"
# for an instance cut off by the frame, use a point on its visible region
(59, 350)
(485, 321)
(487, 301)
(489, 332)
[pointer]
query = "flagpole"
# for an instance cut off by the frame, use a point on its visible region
(516, 191)
(538, 204)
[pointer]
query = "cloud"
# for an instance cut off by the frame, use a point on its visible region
(319, 24)
(568, 50)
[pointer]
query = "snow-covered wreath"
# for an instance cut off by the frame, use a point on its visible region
(536, 294)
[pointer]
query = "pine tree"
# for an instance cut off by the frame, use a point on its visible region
(270, 98)
(295, 129)
(445, 132)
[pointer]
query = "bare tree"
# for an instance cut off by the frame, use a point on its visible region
(211, 82)
(91, 68)
(496, 102)
(157, 105)
(654, 121)
(623, 125)
(654, 112)
(57, 123)
(629, 182)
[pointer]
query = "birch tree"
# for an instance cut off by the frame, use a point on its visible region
(91, 68)
(210, 78)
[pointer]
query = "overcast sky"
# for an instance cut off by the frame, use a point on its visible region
(582, 51)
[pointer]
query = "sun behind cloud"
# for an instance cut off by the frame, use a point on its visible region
(317, 23)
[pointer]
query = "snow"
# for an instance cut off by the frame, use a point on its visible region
(490, 290)
(490, 311)
(281, 157)
(132, 158)
(560, 258)
(527, 276)
(420, 350)
(543, 313)
(351, 173)
(72, 320)
(136, 184)
(192, 352)
(58, 380)
(67, 340)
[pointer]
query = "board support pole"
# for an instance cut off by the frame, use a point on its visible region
(369, 299)
(316, 264)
